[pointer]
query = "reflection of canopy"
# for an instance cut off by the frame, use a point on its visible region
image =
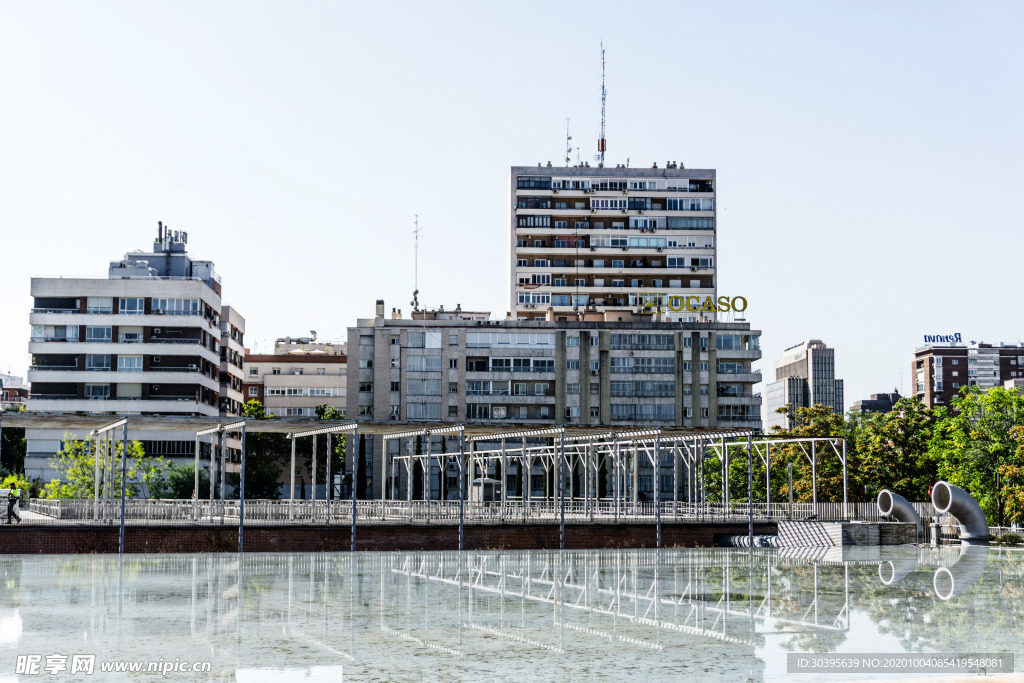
(485, 480)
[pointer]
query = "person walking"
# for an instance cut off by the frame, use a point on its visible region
(12, 502)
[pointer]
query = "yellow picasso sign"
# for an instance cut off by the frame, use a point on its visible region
(657, 303)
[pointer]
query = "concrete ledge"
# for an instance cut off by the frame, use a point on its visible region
(197, 539)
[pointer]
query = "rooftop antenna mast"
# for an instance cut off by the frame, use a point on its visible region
(568, 143)
(602, 144)
(415, 303)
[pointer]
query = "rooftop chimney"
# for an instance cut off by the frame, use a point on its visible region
(380, 308)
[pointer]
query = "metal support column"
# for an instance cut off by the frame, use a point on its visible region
(312, 486)
(750, 489)
(96, 477)
(291, 487)
(425, 466)
(561, 491)
(846, 500)
(462, 493)
(504, 478)
(241, 501)
(327, 481)
(355, 479)
(124, 473)
(657, 487)
(195, 485)
(814, 478)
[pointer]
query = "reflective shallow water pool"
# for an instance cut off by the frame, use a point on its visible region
(688, 614)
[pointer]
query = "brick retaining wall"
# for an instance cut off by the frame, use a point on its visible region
(191, 539)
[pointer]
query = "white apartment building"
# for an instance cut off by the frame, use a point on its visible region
(300, 375)
(612, 239)
(147, 340)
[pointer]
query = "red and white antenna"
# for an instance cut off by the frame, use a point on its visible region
(602, 144)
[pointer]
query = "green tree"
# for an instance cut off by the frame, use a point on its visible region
(893, 450)
(12, 449)
(178, 483)
(974, 438)
(815, 421)
(75, 464)
(264, 458)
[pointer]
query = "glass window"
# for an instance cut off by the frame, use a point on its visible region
(97, 391)
(100, 304)
(97, 361)
(129, 363)
(254, 391)
(132, 306)
(97, 334)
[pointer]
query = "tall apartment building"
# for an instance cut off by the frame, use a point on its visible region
(612, 239)
(940, 370)
(300, 375)
(151, 339)
(805, 376)
(595, 369)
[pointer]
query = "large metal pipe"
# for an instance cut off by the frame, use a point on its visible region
(949, 499)
(894, 505)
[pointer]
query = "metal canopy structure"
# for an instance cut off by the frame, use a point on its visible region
(593, 472)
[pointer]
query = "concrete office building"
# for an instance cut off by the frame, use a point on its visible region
(153, 338)
(805, 376)
(878, 403)
(300, 375)
(611, 239)
(941, 370)
(611, 368)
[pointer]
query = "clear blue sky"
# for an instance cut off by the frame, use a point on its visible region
(868, 154)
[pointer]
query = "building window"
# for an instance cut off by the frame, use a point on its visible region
(955, 361)
(572, 365)
(595, 413)
(100, 304)
(423, 411)
(572, 341)
(97, 391)
(519, 389)
(453, 363)
(593, 340)
(364, 363)
(254, 391)
(275, 371)
(321, 371)
(703, 412)
(453, 411)
(395, 412)
(572, 388)
(365, 411)
(595, 365)
(572, 412)
(545, 412)
(97, 334)
(254, 372)
(703, 365)
(132, 306)
(453, 340)
(366, 387)
(453, 387)
(540, 389)
(131, 363)
(97, 361)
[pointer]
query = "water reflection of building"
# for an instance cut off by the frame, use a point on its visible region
(725, 611)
